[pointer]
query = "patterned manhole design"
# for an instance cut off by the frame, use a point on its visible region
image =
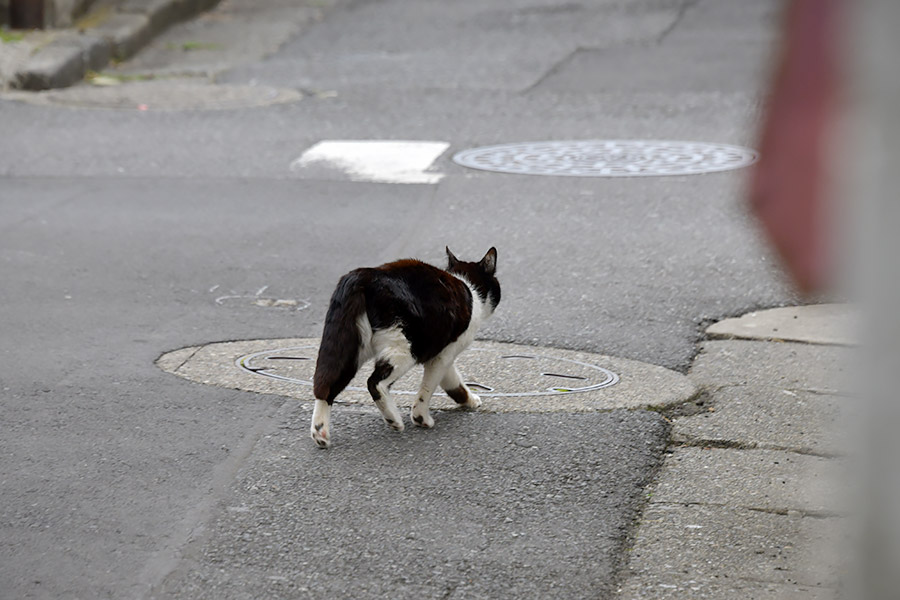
(483, 370)
(607, 158)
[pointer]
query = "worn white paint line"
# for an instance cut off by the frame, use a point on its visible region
(379, 161)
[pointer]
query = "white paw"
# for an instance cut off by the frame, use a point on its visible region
(472, 402)
(319, 429)
(320, 435)
(395, 422)
(421, 419)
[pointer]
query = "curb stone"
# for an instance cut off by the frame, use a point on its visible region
(745, 504)
(828, 324)
(120, 33)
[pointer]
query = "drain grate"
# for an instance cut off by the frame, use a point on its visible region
(607, 158)
(488, 372)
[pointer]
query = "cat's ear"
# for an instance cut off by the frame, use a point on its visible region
(489, 262)
(452, 261)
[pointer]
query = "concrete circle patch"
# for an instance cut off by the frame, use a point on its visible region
(508, 377)
(607, 158)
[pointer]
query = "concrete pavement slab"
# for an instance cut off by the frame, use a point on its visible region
(727, 519)
(769, 418)
(768, 480)
(834, 324)
(782, 366)
(710, 544)
(474, 45)
(685, 586)
(234, 33)
(503, 506)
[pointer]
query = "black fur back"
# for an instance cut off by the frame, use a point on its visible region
(431, 306)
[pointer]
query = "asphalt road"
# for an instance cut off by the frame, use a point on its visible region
(119, 228)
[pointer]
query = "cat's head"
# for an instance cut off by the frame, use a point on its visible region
(480, 274)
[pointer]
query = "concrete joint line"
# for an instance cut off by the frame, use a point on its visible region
(192, 529)
(782, 512)
(693, 442)
(679, 17)
(807, 514)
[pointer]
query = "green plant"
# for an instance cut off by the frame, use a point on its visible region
(7, 36)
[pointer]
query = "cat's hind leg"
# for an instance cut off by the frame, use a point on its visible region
(460, 393)
(389, 367)
(321, 424)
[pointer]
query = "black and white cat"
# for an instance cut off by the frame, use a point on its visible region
(401, 314)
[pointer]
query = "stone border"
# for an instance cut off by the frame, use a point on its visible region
(751, 500)
(162, 95)
(119, 33)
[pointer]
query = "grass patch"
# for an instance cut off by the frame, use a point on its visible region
(9, 37)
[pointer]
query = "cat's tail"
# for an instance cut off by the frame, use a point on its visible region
(339, 352)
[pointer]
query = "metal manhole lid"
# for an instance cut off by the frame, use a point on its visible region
(607, 158)
(508, 377)
(544, 375)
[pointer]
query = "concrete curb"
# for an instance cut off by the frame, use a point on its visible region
(828, 324)
(118, 34)
(750, 500)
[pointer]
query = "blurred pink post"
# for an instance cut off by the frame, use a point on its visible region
(788, 188)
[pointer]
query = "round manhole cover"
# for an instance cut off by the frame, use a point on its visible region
(607, 158)
(508, 377)
(536, 375)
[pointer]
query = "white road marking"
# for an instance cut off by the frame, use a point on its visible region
(378, 161)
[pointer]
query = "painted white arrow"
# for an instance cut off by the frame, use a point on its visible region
(379, 161)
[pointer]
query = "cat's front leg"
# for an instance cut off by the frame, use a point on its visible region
(459, 391)
(434, 372)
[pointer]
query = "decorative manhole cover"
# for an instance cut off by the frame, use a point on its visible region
(607, 158)
(508, 377)
(536, 375)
